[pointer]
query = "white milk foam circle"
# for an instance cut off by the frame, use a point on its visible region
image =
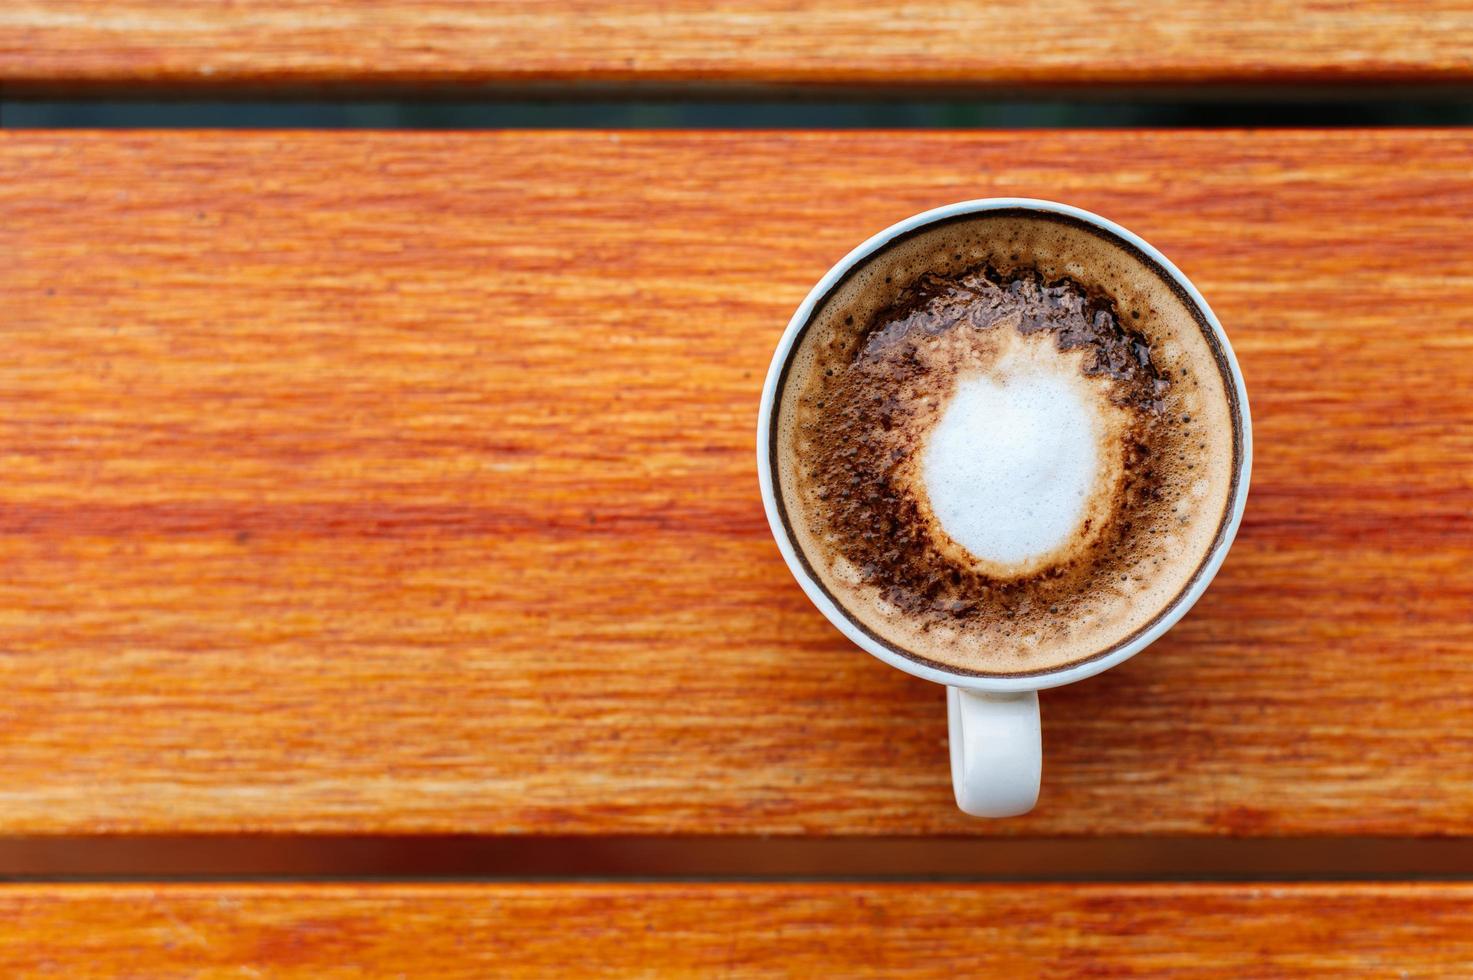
(1011, 464)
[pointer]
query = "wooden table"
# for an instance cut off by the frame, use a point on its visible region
(382, 506)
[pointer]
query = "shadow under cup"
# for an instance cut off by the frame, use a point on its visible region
(883, 248)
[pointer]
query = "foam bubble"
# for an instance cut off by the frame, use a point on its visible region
(1010, 466)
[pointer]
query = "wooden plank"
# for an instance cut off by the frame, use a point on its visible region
(1008, 43)
(405, 483)
(739, 929)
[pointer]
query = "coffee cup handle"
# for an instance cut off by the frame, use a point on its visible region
(996, 751)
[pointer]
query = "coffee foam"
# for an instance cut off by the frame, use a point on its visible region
(1022, 466)
(1031, 592)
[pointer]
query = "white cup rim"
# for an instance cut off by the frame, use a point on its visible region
(996, 683)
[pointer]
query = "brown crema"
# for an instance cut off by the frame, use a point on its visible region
(880, 362)
(924, 343)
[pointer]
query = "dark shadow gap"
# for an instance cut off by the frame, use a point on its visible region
(713, 113)
(434, 858)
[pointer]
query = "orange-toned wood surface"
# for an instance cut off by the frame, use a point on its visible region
(819, 42)
(396, 482)
(737, 930)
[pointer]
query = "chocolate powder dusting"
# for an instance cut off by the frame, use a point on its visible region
(866, 412)
(983, 298)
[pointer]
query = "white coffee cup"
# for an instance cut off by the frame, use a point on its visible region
(995, 733)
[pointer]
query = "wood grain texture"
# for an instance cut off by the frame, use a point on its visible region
(818, 42)
(405, 483)
(737, 930)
